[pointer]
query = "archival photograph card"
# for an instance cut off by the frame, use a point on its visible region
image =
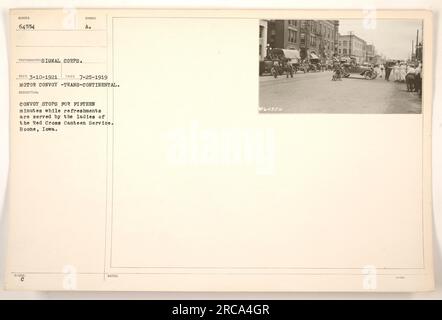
(220, 150)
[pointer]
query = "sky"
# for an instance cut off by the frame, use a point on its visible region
(391, 38)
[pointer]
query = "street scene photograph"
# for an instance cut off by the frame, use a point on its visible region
(340, 66)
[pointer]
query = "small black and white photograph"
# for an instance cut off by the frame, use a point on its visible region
(341, 66)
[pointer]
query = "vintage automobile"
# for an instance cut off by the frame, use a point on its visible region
(268, 66)
(290, 55)
(369, 73)
(353, 67)
(314, 63)
(303, 66)
(265, 66)
(279, 57)
(363, 67)
(348, 63)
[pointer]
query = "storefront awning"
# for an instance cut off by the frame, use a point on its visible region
(291, 54)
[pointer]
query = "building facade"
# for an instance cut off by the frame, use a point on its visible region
(352, 46)
(370, 53)
(263, 30)
(319, 38)
(283, 34)
(313, 38)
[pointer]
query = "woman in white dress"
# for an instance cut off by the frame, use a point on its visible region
(377, 69)
(396, 75)
(382, 73)
(402, 72)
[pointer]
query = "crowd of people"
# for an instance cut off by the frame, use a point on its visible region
(409, 73)
(399, 71)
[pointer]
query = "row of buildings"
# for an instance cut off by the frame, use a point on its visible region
(314, 39)
(353, 46)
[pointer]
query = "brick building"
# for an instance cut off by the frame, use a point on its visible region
(319, 38)
(283, 34)
(263, 26)
(352, 46)
(313, 38)
(370, 53)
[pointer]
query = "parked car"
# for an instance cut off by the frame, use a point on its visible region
(281, 56)
(266, 66)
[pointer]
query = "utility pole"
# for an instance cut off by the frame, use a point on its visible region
(351, 43)
(417, 40)
(412, 49)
